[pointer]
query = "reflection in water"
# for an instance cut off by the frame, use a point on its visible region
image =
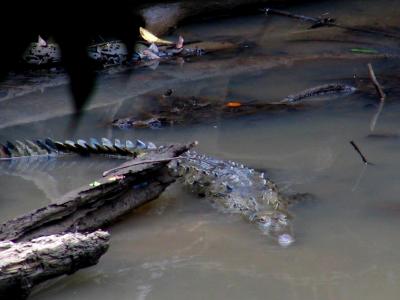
(179, 247)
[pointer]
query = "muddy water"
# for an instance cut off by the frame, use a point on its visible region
(179, 247)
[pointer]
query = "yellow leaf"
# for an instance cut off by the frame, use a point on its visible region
(151, 38)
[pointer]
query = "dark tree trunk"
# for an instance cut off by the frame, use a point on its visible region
(25, 264)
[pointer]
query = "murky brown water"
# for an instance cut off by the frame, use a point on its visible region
(179, 247)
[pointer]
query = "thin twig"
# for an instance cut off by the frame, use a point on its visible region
(135, 163)
(364, 159)
(376, 83)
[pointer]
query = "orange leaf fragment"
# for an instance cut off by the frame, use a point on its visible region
(233, 104)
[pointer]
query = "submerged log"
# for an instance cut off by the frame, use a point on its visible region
(99, 203)
(25, 264)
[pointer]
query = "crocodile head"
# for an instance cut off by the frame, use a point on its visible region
(276, 224)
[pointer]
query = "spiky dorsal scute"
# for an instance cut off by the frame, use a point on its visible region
(27, 148)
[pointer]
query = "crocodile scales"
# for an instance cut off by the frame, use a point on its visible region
(235, 188)
(50, 148)
(232, 187)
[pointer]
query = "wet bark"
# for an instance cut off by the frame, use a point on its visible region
(25, 264)
(91, 207)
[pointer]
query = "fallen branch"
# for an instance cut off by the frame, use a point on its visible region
(100, 203)
(364, 159)
(319, 22)
(316, 21)
(23, 265)
(376, 83)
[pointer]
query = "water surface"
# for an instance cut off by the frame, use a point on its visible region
(179, 246)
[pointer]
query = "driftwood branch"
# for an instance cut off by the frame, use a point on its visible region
(25, 264)
(99, 204)
(319, 22)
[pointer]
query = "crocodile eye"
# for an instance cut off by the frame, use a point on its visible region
(265, 221)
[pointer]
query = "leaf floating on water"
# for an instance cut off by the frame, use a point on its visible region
(151, 38)
(95, 183)
(364, 50)
(233, 104)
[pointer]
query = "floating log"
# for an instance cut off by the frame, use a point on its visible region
(25, 264)
(99, 203)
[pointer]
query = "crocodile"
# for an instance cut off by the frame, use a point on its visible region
(235, 188)
(230, 186)
(169, 109)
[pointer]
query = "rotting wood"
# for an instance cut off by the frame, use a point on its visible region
(91, 207)
(25, 264)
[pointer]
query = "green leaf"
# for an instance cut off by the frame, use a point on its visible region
(364, 50)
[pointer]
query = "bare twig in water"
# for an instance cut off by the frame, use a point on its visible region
(376, 83)
(364, 159)
(381, 93)
(135, 163)
(319, 22)
(376, 116)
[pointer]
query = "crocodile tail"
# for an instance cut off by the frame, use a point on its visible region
(49, 147)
